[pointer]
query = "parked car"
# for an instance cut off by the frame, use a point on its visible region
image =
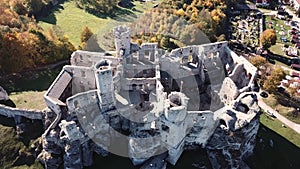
(270, 114)
(283, 39)
(282, 12)
(293, 23)
(295, 40)
(295, 36)
(282, 17)
(295, 63)
(295, 66)
(264, 94)
(294, 31)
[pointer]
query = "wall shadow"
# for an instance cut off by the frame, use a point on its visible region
(119, 14)
(283, 154)
(49, 16)
(34, 80)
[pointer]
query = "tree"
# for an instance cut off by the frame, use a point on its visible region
(180, 12)
(165, 41)
(258, 61)
(273, 81)
(263, 67)
(268, 38)
(98, 6)
(86, 34)
(13, 52)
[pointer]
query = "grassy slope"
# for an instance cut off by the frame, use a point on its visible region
(286, 150)
(29, 100)
(285, 132)
(11, 146)
(71, 19)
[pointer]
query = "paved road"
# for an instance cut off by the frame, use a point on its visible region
(281, 118)
(295, 17)
(290, 69)
(263, 105)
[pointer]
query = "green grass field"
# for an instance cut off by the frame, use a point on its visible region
(29, 100)
(277, 49)
(71, 20)
(286, 132)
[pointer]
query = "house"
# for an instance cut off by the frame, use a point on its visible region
(245, 7)
(262, 3)
(295, 4)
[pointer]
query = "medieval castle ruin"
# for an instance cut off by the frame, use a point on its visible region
(146, 104)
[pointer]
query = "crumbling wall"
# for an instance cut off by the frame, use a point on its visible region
(133, 70)
(12, 112)
(229, 91)
(130, 83)
(122, 40)
(148, 52)
(88, 59)
(203, 126)
(250, 69)
(83, 78)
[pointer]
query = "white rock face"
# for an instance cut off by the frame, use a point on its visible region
(3, 94)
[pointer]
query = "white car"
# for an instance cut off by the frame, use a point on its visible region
(280, 17)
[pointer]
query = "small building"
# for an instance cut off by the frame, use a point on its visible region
(262, 3)
(245, 7)
(295, 4)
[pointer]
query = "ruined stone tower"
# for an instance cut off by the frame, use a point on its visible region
(104, 82)
(122, 40)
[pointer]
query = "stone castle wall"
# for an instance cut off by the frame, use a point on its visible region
(12, 112)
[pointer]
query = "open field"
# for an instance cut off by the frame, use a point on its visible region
(71, 20)
(26, 90)
(277, 49)
(29, 100)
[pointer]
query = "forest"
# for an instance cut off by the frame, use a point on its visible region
(184, 22)
(25, 45)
